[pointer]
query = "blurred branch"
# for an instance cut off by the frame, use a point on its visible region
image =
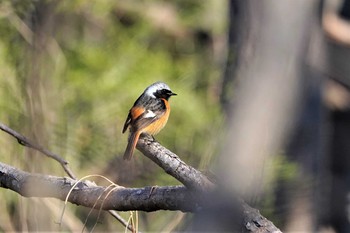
(16, 21)
(270, 40)
(27, 33)
(26, 142)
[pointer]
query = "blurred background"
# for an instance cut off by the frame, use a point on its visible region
(71, 70)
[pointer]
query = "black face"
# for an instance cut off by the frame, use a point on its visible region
(164, 93)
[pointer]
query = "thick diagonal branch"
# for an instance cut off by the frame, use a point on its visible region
(173, 165)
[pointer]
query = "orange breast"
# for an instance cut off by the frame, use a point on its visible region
(159, 124)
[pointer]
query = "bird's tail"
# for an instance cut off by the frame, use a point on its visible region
(129, 151)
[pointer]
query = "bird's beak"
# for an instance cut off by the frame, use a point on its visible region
(173, 94)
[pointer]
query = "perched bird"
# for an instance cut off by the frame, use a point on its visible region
(149, 114)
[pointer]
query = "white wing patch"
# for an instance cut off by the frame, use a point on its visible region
(149, 114)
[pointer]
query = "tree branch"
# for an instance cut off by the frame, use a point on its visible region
(148, 199)
(173, 165)
(90, 195)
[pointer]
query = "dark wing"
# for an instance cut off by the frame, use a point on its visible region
(134, 113)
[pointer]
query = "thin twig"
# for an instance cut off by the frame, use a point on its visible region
(121, 220)
(27, 143)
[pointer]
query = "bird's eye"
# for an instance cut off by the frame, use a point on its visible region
(167, 92)
(164, 93)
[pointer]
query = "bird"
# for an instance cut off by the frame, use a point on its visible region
(149, 114)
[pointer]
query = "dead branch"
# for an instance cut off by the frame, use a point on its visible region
(87, 193)
(173, 165)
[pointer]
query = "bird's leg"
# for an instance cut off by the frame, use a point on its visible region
(146, 135)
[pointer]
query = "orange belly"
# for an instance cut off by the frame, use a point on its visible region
(159, 124)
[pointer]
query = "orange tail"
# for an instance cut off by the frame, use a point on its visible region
(129, 151)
